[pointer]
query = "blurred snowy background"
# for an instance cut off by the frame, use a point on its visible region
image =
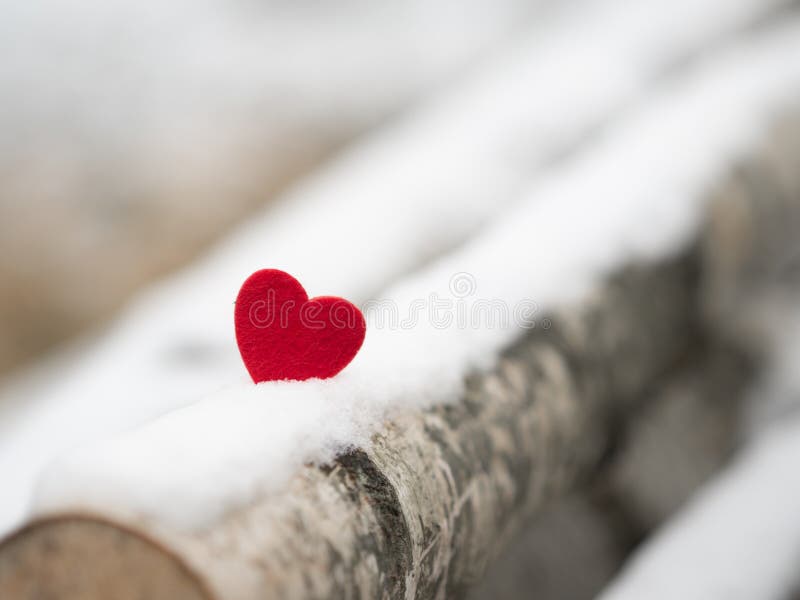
(149, 151)
(134, 134)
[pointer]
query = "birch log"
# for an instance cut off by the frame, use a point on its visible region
(423, 510)
(434, 499)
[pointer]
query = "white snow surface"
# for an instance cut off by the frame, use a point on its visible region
(418, 188)
(192, 465)
(739, 538)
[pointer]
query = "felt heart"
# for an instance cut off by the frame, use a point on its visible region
(282, 334)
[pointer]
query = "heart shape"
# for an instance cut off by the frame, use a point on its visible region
(282, 334)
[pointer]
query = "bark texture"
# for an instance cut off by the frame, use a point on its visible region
(421, 512)
(681, 433)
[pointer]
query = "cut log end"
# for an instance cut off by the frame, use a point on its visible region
(84, 558)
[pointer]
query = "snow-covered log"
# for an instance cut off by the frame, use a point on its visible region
(435, 497)
(409, 193)
(432, 494)
(739, 538)
(421, 512)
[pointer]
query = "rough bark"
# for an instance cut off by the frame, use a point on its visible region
(682, 432)
(439, 493)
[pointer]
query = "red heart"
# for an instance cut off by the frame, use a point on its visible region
(284, 335)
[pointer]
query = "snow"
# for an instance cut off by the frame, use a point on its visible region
(192, 465)
(177, 83)
(739, 538)
(418, 188)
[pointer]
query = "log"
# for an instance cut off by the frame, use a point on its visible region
(677, 440)
(743, 524)
(96, 560)
(681, 433)
(583, 533)
(424, 509)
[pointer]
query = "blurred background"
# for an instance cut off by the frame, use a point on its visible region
(136, 136)
(133, 135)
